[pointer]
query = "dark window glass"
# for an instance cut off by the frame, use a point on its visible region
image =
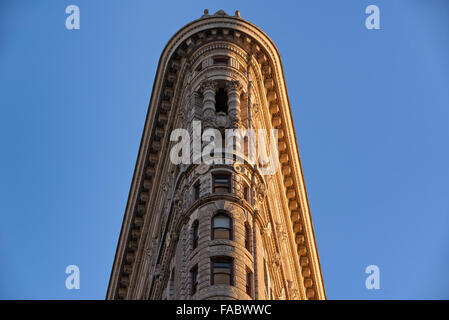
(221, 100)
(195, 277)
(248, 237)
(196, 191)
(195, 234)
(246, 193)
(221, 60)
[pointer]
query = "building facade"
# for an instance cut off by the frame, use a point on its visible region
(236, 227)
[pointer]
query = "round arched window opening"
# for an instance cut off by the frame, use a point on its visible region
(221, 226)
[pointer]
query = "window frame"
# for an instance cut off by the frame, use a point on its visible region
(231, 225)
(222, 259)
(221, 173)
(249, 282)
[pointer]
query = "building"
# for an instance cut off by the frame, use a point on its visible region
(230, 230)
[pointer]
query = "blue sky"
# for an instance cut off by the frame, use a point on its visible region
(371, 111)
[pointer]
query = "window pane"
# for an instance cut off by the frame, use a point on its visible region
(222, 271)
(195, 279)
(221, 189)
(194, 274)
(222, 278)
(221, 100)
(195, 231)
(222, 266)
(221, 180)
(222, 234)
(222, 221)
(197, 191)
(195, 234)
(248, 283)
(221, 183)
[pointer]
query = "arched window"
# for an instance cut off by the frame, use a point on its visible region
(222, 270)
(247, 237)
(195, 234)
(222, 226)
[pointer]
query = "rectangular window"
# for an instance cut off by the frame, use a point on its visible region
(249, 283)
(247, 237)
(222, 227)
(196, 191)
(194, 275)
(222, 271)
(222, 182)
(245, 146)
(195, 234)
(246, 193)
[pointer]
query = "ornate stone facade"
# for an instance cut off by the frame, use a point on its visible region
(221, 230)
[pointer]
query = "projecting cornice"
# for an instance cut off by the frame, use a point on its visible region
(174, 64)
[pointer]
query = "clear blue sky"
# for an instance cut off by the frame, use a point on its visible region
(371, 111)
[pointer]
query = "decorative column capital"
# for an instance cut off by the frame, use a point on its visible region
(234, 86)
(208, 85)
